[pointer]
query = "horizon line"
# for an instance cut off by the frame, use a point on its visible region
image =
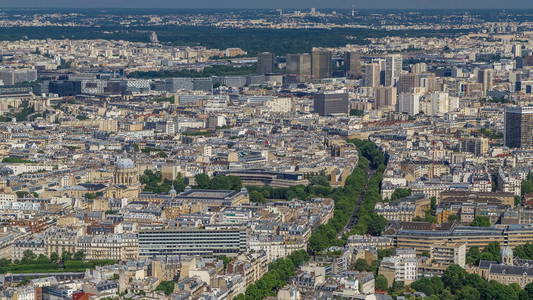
(263, 8)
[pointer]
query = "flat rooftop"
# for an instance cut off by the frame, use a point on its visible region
(208, 194)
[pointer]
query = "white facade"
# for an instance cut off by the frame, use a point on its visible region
(409, 103)
(28, 168)
(441, 103)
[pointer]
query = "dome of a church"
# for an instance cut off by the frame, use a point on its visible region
(125, 163)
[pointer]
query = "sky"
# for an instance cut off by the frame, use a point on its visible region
(386, 4)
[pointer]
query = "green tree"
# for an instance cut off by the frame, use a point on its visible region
(357, 112)
(257, 197)
(472, 255)
(42, 259)
(319, 180)
(396, 286)
(467, 293)
(529, 290)
(381, 283)
(225, 260)
(54, 257)
(90, 196)
(400, 193)
(491, 252)
(179, 184)
(453, 218)
(454, 277)
(166, 287)
(79, 255)
(377, 224)
(429, 285)
(433, 204)
(202, 181)
(22, 194)
(361, 265)
(65, 256)
(524, 251)
(28, 256)
(498, 291)
(481, 221)
(527, 185)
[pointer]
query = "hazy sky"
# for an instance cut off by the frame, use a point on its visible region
(507, 4)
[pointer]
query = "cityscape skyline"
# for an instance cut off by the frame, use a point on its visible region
(257, 4)
(266, 154)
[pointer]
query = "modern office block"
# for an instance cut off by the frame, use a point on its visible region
(192, 241)
(518, 127)
(385, 97)
(372, 75)
(265, 63)
(329, 104)
(299, 65)
(352, 64)
(321, 64)
(393, 69)
(486, 78)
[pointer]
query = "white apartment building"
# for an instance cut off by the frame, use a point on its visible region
(409, 103)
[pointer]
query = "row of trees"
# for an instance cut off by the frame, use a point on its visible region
(28, 257)
(217, 70)
(368, 221)
(325, 235)
(357, 185)
(457, 284)
(252, 40)
(154, 183)
(345, 199)
(279, 273)
(371, 151)
(318, 187)
(10, 159)
(218, 182)
(31, 262)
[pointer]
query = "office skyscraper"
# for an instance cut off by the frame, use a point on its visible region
(371, 75)
(517, 50)
(409, 103)
(320, 64)
(265, 63)
(486, 78)
(293, 63)
(408, 82)
(299, 65)
(153, 38)
(518, 127)
(326, 104)
(386, 97)
(393, 68)
(352, 64)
